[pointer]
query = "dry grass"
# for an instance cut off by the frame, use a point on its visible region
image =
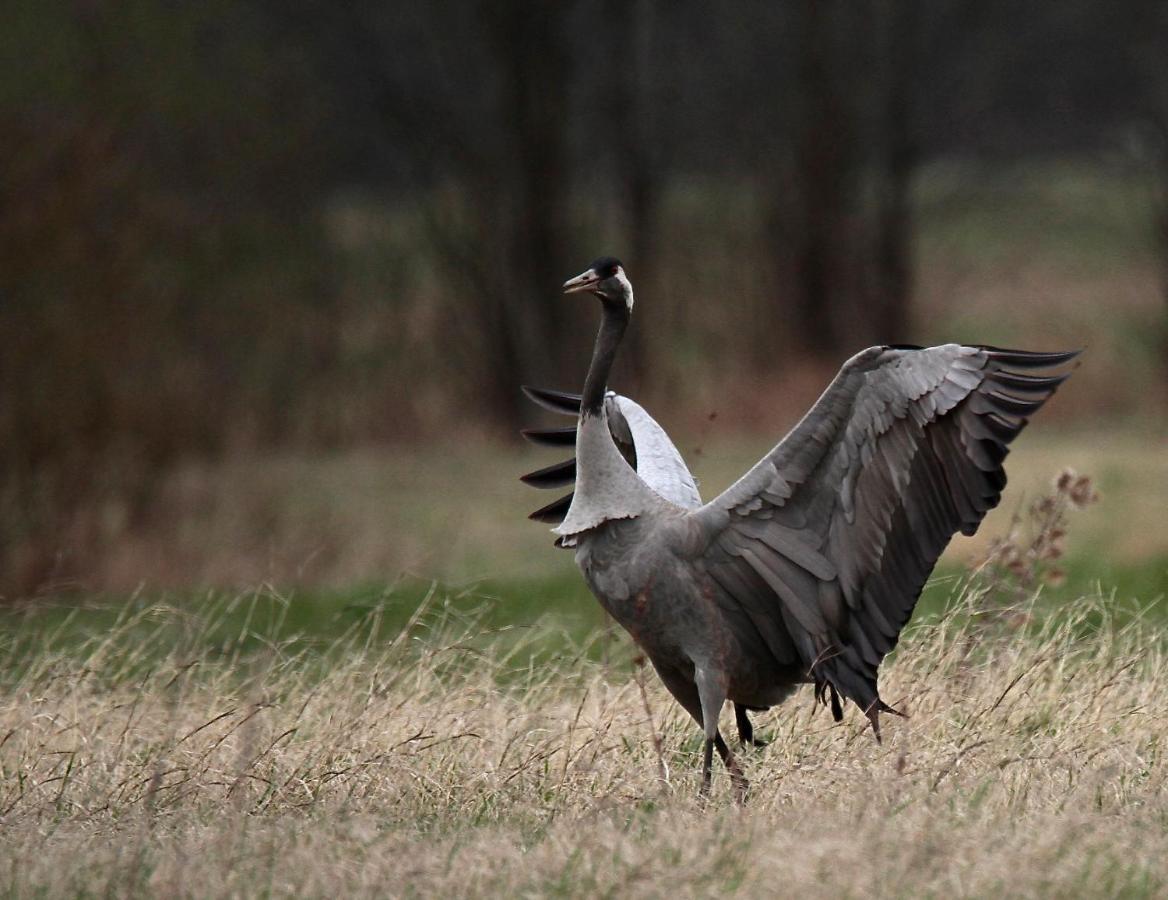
(441, 764)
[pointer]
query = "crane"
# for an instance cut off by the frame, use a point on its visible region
(805, 570)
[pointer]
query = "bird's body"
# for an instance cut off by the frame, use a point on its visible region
(649, 575)
(806, 569)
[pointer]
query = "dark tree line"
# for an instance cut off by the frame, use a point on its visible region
(1152, 62)
(597, 111)
(175, 276)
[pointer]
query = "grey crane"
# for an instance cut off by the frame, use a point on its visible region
(806, 569)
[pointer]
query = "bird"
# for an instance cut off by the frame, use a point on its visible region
(807, 568)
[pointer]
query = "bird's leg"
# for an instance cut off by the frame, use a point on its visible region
(745, 728)
(712, 694)
(741, 785)
(702, 696)
(707, 767)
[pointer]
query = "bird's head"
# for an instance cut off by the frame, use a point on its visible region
(607, 280)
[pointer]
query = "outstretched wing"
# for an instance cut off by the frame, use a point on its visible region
(640, 439)
(835, 531)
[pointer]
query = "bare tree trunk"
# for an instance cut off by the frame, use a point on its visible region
(821, 164)
(1153, 65)
(850, 262)
(502, 240)
(1160, 226)
(529, 43)
(640, 157)
(897, 160)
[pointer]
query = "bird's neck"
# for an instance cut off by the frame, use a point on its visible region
(612, 329)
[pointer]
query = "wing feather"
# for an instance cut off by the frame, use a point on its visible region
(741, 581)
(835, 531)
(642, 442)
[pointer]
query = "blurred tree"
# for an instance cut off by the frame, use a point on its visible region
(854, 139)
(207, 207)
(1150, 58)
(896, 34)
(481, 113)
(641, 155)
(156, 293)
(823, 180)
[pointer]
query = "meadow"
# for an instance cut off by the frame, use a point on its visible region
(363, 672)
(181, 754)
(424, 738)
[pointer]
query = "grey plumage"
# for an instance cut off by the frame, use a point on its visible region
(807, 568)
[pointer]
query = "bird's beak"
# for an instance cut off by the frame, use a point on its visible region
(585, 281)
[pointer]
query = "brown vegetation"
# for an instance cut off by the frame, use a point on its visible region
(459, 514)
(442, 764)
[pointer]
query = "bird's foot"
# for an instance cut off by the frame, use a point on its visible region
(740, 782)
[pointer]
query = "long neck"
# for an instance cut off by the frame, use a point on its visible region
(612, 329)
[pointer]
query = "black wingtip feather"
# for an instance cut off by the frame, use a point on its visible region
(1027, 384)
(1030, 359)
(554, 476)
(997, 452)
(551, 437)
(554, 512)
(1015, 406)
(561, 402)
(1002, 428)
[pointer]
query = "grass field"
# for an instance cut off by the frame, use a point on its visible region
(365, 673)
(421, 738)
(181, 754)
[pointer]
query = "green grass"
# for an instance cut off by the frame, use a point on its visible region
(558, 606)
